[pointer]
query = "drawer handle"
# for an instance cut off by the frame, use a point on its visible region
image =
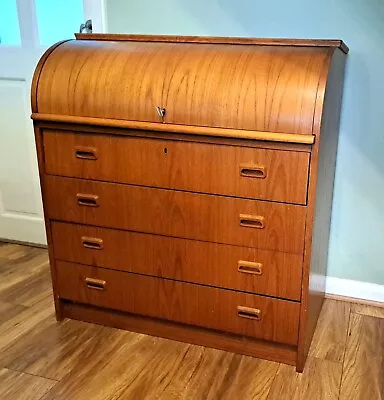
(249, 267)
(86, 153)
(92, 243)
(88, 200)
(251, 313)
(97, 284)
(253, 171)
(252, 221)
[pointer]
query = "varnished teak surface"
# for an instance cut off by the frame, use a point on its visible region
(320, 191)
(180, 259)
(215, 91)
(154, 127)
(216, 40)
(180, 214)
(206, 85)
(227, 170)
(181, 302)
(43, 359)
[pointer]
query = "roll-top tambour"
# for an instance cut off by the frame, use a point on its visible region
(246, 87)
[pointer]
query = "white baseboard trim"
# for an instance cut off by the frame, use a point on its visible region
(337, 287)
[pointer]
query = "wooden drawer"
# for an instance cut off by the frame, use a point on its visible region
(233, 267)
(219, 309)
(230, 170)
(219, 219)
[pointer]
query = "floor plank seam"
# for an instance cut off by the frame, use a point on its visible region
(344, 352)
(273, 381)
(13, 303)
(28, 373)
(346, 363)
(46, 395)
(366, 315)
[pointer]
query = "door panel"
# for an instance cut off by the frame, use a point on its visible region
(27, 28)
(20, 202)
(19, 195)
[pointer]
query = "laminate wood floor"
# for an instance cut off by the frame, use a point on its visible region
(72, 360)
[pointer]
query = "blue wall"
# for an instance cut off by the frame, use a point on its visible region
(57, 20)
(9, 23)
(357, 236)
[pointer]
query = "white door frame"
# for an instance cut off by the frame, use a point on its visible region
(26, 9)
(96, 11)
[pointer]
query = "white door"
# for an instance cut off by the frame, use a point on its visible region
(27, 29)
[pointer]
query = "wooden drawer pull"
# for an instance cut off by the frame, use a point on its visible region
(89, 200)
(253, 171)
(92, 243)
(86, 153)
(249, 267)
(97, 284)
(252, 221)
(251, 313)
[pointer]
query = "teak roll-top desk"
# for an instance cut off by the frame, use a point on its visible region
(187, 185)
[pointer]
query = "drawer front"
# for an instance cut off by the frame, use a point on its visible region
(249, 223)
(233, 267)
(230, 170)
(223, 310)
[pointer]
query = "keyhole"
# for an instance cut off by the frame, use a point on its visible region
(165, 151)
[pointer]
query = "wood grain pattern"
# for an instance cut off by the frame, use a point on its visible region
(16, 385)
(179, 214)
(329, 339)
(370, 311)
(181, 135)
(61, 348)
(364, 359)
(172, 129)
(9, 310)
(182, 333)
(355, 301)
(232, 98)
(187, 379)
(320, 192)
(23, 271)
(36, 75)
(31, 289)
(320, 380)
(164, 299)
(214, 39)
(18, 262)
(130, 365)
(205, 85)
(41, 164)
(168, 164)
(118, 362)
(21, 324)
(180, 259)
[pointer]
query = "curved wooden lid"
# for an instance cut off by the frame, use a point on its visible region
(239, 86)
